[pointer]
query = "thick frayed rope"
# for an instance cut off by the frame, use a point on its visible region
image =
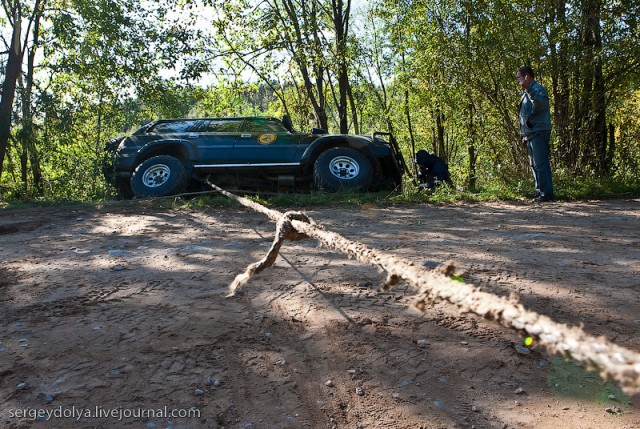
(284, 231)
(596, 354)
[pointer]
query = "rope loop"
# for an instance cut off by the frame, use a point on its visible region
(285, 229)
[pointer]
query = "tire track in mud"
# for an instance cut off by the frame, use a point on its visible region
(8, 277)
(274, 359)
(81, 304)
(304, 316)
(342, 349)
(16, 227)
(263, 365)
(373, 337)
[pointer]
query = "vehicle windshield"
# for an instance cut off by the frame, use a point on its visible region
(180, 126)
(143, 129)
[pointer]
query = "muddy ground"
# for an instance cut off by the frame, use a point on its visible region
(115, 316)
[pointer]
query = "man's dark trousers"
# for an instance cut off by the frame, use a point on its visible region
(538, 148)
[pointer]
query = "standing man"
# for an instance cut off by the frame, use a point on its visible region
(534, 117)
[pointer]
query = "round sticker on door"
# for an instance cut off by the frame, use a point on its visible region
(267, 138)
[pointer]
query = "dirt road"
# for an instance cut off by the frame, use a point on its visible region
(116, 317)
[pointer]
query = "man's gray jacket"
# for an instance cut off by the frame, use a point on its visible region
(534, 115)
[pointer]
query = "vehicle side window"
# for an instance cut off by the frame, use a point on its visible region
(263, 126)
(173, 127)
(221, 126)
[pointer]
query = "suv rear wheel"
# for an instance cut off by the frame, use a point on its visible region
(342, 167)
(159, 176)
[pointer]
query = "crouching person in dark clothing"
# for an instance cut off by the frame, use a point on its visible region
(432, 170)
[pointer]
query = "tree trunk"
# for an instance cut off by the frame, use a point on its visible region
(407, 113)
(296, 43)
(340, 18)
(583, 81)
(27, 138)
(590, 130)
(354, 112)
(559, 46)
(439, 147)
(319, 103)
(612, 146)
(12, 71)
(471, 145)
(599, 97)
(343, 84)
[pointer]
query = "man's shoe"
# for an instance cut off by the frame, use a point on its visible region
(544, 199)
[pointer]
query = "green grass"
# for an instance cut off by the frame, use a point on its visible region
(567, 378)
(567, 188)
(597, 188)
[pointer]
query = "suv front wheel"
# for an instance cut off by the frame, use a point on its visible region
(159, 176)
(342, 167)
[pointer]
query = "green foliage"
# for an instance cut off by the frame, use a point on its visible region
(439, 74)
(626, 161)
(234, 99)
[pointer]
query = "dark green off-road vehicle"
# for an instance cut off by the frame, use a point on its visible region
(167, 156)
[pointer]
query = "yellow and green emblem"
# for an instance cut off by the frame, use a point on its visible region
(267, 138)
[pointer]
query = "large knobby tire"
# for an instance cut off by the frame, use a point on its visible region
(159, 176)
(342, 168)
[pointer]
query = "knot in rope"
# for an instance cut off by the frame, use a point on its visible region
(285, 228)
(284, 231)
